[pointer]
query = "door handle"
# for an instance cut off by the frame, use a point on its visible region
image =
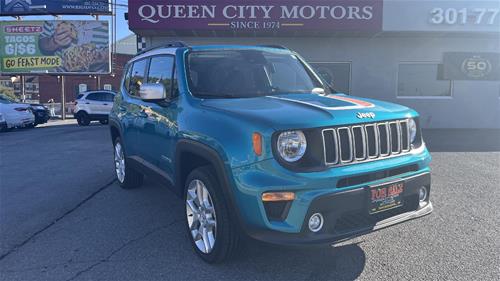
(104, 104)
(87, 103)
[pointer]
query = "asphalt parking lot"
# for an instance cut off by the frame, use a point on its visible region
(63, 217)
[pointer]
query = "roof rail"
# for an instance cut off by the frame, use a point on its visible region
(177, 44)
(274, 46)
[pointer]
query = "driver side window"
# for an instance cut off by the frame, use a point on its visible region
(137, 77)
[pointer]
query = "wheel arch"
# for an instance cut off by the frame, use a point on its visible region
(80, 112)
(115, 130)
(191, 154)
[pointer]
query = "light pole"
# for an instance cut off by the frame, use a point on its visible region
(13, 79)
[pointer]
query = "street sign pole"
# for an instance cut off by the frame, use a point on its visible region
(63, 98)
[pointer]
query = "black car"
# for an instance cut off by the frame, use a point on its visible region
(41, 112)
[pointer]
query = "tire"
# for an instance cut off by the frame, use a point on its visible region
(104, 121)
(83, 119)
(127, 176)
(210, 227)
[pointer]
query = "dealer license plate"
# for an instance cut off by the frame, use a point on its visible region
(386, 196)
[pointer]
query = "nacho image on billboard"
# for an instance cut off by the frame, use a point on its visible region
(54, 7)
(70, 47)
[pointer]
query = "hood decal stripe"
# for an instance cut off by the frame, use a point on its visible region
(357, 104)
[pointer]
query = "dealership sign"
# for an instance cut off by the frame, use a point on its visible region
(56, 7)
(71, 47)
(471, 66)
(260, 16)
(442, 16)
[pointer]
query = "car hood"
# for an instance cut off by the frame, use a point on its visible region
(309, 110)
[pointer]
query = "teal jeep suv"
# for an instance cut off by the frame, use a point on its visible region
(257, 145)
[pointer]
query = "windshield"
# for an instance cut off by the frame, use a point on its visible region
(247, 73)
(5, 100)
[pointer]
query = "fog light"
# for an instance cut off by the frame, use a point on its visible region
(316, 222)
(422, 194)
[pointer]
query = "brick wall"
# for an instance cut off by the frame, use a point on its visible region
(50, 86)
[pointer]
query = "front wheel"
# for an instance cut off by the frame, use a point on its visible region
(126, 175)
(211, 229)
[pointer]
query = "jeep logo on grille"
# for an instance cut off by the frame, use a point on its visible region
(362, 115)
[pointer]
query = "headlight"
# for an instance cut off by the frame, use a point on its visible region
(412, 127)
(292, 145)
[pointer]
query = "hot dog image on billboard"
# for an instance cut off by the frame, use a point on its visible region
(72, 47)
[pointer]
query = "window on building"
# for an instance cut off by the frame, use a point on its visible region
(82, 88)
(336, 74)
(137, 76)
(160, 71)
(421, 80)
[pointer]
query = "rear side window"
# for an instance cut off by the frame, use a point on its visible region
(108, 97)
(137, 76)
(161, 70)
(93, 96)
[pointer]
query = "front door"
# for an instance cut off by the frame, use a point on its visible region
(129, 107)
(159, 124)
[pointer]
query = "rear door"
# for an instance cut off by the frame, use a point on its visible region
(93, 103)
(107, 102)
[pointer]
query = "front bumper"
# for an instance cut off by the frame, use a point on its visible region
(346, 215)
(337, 193)
(41, 117)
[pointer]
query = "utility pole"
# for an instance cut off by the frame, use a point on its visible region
(23, 89)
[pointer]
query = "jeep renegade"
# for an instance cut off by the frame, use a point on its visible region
(257, 144)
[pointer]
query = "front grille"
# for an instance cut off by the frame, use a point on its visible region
(360, 143)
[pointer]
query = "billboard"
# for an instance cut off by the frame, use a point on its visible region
(69, 47)
(471, 66)
(270, 16)
(53, 7)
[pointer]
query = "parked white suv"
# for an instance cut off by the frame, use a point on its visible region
(93, 106)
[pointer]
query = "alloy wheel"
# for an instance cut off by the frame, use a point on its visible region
(201, 217)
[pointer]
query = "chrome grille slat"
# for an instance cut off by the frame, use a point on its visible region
(385, 139)
(342, 140)
(379, 140)
(369, 130)
(405, 136)
(333, 143)
(359, 132)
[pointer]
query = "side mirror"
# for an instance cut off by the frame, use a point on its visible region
(318, 91)
(152, 92)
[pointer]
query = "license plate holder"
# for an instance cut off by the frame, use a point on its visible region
(385, 196)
